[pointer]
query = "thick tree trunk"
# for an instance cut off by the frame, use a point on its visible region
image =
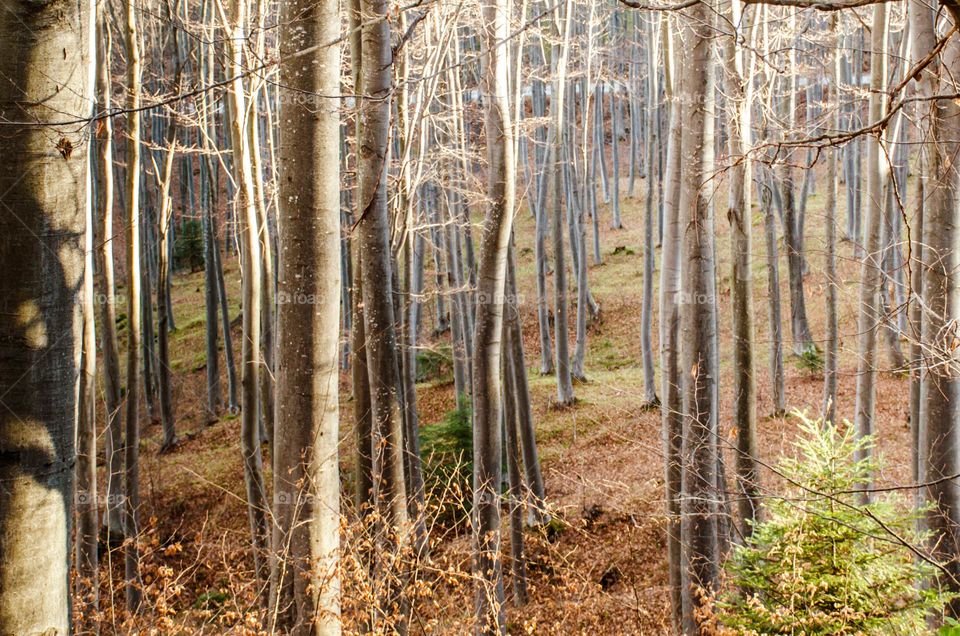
(389, 492)
(697, 328)
(491, 282)
(305, 587)
(44, 65)
(940, 393)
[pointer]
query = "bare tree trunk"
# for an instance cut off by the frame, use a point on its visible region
(46, 48)
(378, 315)
(251, 261)
(773, 295)
(518, 565)
(671, 410)
(305, 587)
(921, 17)
(871, 270)
(940, 388)
(555, 141)
(652, 140)
(739, 215)
(131, 463)
(537, 513)
(697, 346)
(360, 378)
(832, 344)
(87, 540)
(799, 325)
(491, 282)
(167, 416)
(113, 432)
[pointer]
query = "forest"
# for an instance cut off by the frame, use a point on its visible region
(480, 317)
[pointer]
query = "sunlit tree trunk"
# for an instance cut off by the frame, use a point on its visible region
(245, 208)
(305, 586)
(131, 455)
(167, 415)
(43, 205)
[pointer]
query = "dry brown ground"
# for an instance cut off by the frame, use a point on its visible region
(605, 572)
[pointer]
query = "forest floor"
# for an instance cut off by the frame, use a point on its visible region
(604, 571)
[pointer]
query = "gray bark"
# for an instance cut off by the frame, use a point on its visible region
(131, 458)
(113, 401)
(869, 314)
(46, 52)
(304, 584)
(697, 327)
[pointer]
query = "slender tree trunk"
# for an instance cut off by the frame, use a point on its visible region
(167, 415)
(251, 261)
(86, 495)
(518, 566)
(869, 316)
(360, 378)
(555, 141)
(113, 431)
(671, 411)
(741, 222)
(131, 459)
(652, 139)
(537, 513)
(832, 344)
(773, 295)
(921, 17)
(616, 223)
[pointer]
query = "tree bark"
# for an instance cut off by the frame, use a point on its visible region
(131, 456)
(305, 587)
(869, 316)
(251, 290)
(671, 410)
(738, 92)
(113, 431)
(697, 328)
(491, 281)
(44, 65)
